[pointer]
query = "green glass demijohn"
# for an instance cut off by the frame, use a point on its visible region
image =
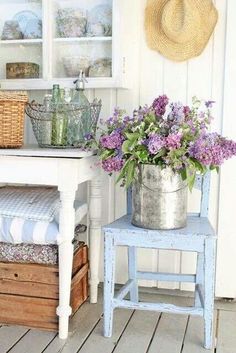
(79, 99)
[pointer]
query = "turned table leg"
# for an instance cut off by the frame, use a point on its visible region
(95, 236)
(66, 227)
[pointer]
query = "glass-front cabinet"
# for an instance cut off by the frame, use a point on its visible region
(43, 42)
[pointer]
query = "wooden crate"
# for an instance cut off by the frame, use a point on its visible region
(29, 293)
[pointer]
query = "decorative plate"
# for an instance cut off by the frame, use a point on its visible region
(30, 24)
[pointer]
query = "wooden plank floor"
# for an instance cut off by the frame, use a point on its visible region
(134, 332)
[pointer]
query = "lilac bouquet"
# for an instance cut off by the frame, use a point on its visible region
(164, 134)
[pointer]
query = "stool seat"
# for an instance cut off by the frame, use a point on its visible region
(198, 227)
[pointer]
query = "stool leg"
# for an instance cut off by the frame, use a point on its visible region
(199, 277)
(209, 281)
(132, 259)
(109, 283)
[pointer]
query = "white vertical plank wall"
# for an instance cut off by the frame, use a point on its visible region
(213, 76)
(226, 282)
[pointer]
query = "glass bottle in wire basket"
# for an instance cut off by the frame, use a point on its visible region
(59, 118)
(62, 123)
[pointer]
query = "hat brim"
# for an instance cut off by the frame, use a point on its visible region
(158, 40)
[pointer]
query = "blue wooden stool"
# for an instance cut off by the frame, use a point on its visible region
(198, 236)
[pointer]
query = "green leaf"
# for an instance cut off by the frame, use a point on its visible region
(122, 172)
(132, 137)
(159, 154)
(183, 174)
(127, 172)
(106, 154)
(191, 176)
(215, 167)
(150, 118)
(126, 146)
(142, 155)
(130, 173)
(198, 165)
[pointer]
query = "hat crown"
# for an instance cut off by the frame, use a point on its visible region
(179, 29)
(181, 19)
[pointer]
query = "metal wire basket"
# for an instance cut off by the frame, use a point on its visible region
(63, 126)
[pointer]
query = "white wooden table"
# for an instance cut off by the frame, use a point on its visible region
(65, 169)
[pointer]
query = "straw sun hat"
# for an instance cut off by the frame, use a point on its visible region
(179, 29)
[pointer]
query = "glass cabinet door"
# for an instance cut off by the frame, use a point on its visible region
(82, 38)
(43, 42)
(21, 39)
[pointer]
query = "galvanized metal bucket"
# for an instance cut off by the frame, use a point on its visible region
(159, 198)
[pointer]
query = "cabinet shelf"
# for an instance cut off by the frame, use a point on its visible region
(43, 84)
(106, 54)
(21, 41)
(83, 39)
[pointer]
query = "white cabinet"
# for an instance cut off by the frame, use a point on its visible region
(60, 37)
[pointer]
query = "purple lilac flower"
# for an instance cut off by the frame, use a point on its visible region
(209, 104)
(159, 105)
(155, 143)
(229, 148)
(173, 141)
(114, 118)
(139, 114)
(212, 149)
(174, 128)
(119, 153)
(127, 120)
(191, 126)
(177, 112)
(115, 140)
(88, 137)
(112, 164)
(187, 110)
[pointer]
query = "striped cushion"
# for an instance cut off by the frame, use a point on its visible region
(18, 230)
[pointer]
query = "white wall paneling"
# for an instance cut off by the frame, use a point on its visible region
(150, 75)
(226, 264)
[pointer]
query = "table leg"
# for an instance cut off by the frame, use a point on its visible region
(66, 226)
(95, 236)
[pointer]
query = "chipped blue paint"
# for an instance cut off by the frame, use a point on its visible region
(198, 236)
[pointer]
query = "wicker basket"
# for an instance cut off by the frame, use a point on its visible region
(12, 113)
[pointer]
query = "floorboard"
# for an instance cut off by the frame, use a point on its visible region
(82, 325)
(96, 343)
(226, 341)
(133, 332)
(194, 337)
(9, 335)
(34, 341)
(227, 305)
(169, 335)
(139, 332)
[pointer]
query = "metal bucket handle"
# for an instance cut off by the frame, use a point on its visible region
(163, 192)
(153, 190)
